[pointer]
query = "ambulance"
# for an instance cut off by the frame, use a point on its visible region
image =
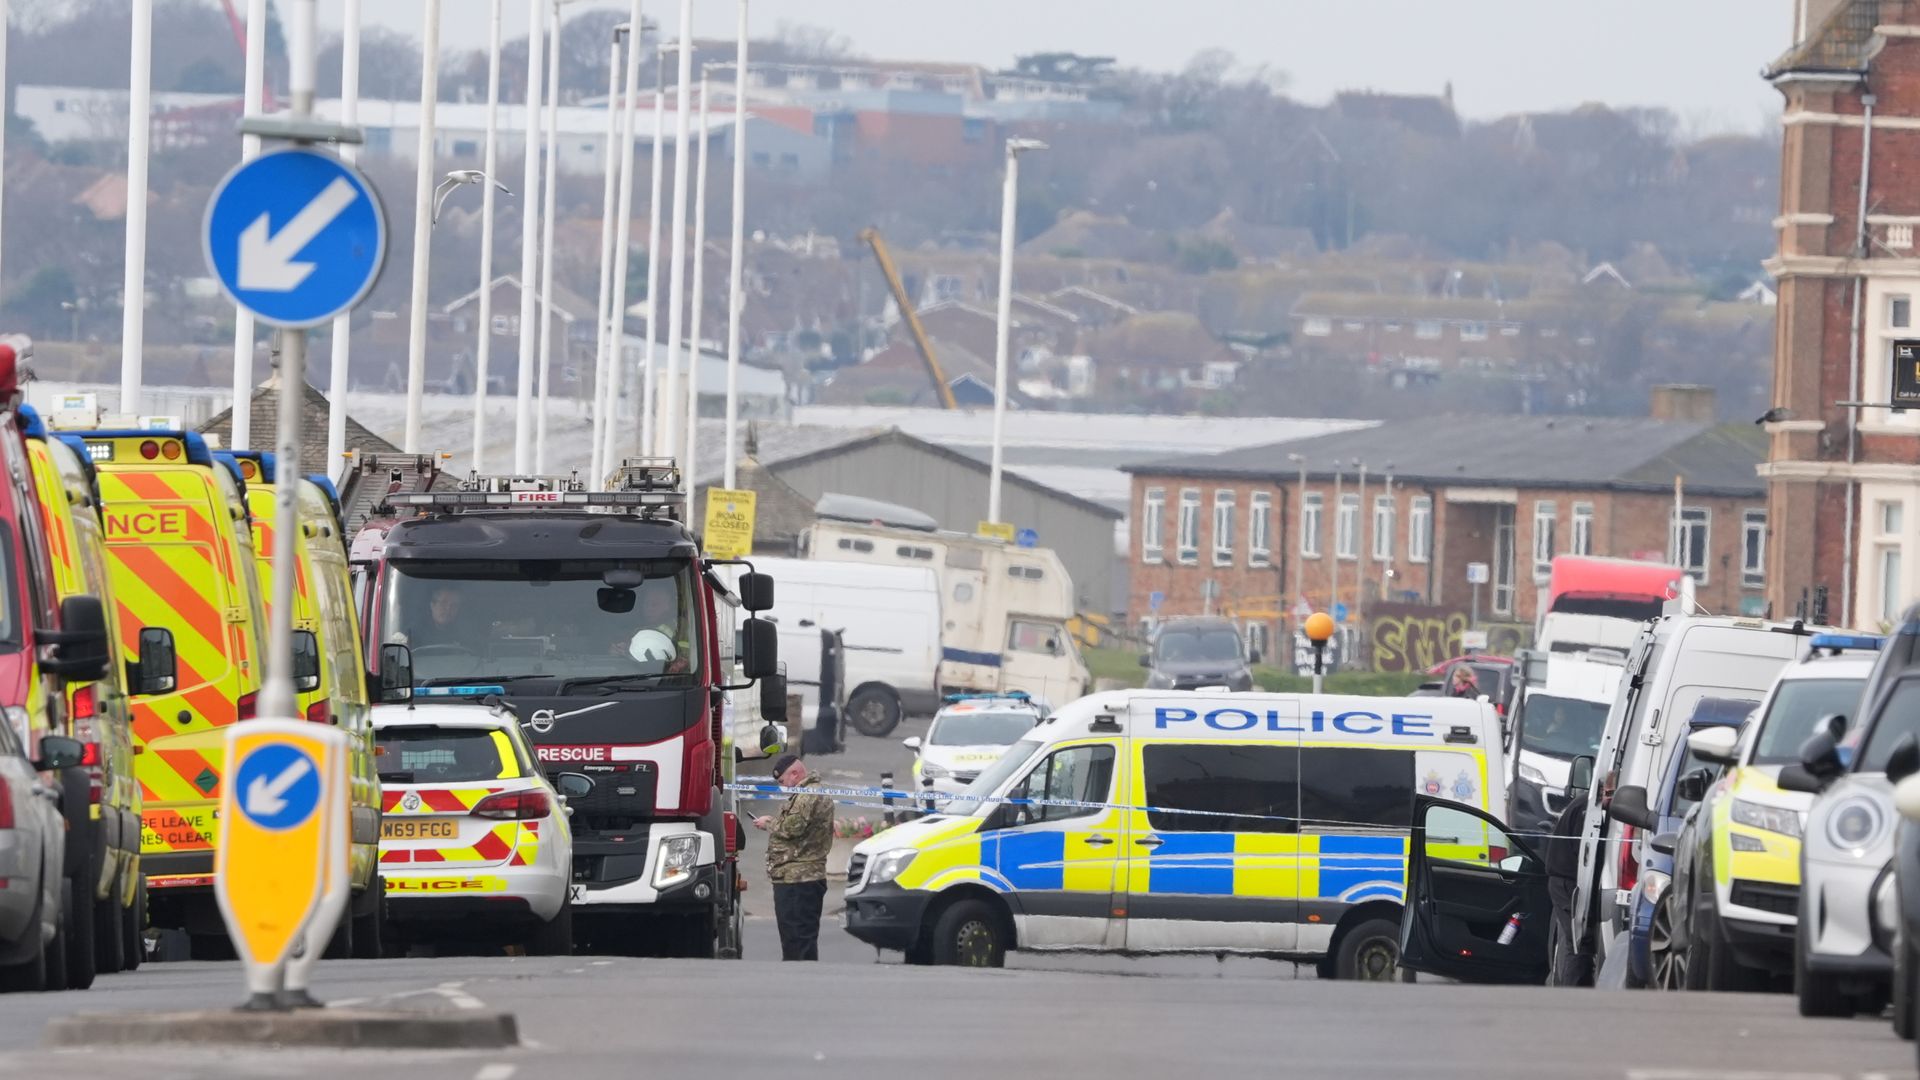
(181, 547)
(101, 799)
(1144, 821)
(330, 673)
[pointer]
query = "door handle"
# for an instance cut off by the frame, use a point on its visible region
(1097, 840)
(1149, 841)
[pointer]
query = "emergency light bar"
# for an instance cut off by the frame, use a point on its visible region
(454, 500)
(1837, 642)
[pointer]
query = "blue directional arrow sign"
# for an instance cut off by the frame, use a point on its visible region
(277, 786)
(296, 237)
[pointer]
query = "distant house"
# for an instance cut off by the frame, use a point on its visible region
(1424, 113)
(315, 410)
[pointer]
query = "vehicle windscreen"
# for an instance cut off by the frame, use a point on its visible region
(1797, 706)
(993, 776)
(431, 755)
(1187, 646)
(980, 728)
(475, 621)
(1562, 727)
(1897, 718)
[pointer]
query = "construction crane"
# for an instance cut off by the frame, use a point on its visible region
(871, 237)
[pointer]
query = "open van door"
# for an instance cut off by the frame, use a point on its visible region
(1468, 880)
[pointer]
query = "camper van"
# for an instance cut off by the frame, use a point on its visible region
(1004, 608)
(889, 622)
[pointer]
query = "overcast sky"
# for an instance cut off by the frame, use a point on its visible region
(1700, 58)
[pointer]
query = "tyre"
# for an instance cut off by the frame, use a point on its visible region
(1820, 994)
(369, 927)
(58, 975)
(340, 945)
(1906, 990)
(732, 943)
(1668, 963)
(109, 944)
(555, 936)
(873, 710)
(1710, 961)
(970, 933)
(134, 929)
(1370, 952)
(80, 939)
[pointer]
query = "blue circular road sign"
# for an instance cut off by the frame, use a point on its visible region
(1027, 538)
(296, 237)
(277, 787)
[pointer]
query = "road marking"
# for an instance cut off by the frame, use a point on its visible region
(602, 963)
(499, 1070)
(1724, 1074)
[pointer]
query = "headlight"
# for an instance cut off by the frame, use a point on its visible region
(1885, 908)
(1855, 823)
(888, 864)
(677, 856)
(1653, 885)
(930, 771)
(1532, 775)
(1771, 818)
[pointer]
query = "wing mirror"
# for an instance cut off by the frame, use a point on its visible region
(911, 742)
(1665, 843)
(59, 752)
(573, 785)
(773, 698)
(1629, 807)
(1715, 744)
(1904, 759)
(1693, 786)
(759, 649)
(157, 670)
(1580, 774)
(1820, 756)
(79, 648)
(394, 683)
(756, 592)
(306, 662)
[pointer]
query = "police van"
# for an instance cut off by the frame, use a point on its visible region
(1141, 821)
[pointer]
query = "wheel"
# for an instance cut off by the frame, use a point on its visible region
(56, 949)
(970, 933)
(1569, 967)
(109, 944)
(732, 943)
(555, 936)
(1906, 989)
(80, 936)
(1710, 961)
(1819, 993)
(30, 975)
(873, 711)
(134, 928)
(920, 953)
(1669, 964)
(340, 945)
(1370, 952)
(369, 927)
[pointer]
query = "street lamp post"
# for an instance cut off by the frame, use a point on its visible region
(617, 105)
(483, 346)
(134, 283)
(623, 245)
(343, 323)
(529, 247)
(253, 90)
(677, 273)
(649, 371)
(689, 464)
(735, 293)
(1300, 512)
(1009, 207)
(422, 225)
(546, 242)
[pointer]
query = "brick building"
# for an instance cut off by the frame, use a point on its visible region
(1386, 521)
(1847, 478)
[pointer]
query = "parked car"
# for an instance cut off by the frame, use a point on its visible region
(36, 896)
(1189, 653)
(1737, 879)
(1496, 677)
(1896, 902)
(1551, 720)
(968, 736)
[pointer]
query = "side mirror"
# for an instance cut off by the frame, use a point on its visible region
(157, 670)
(1820, 755)
(1146, 660)
(1720, 745)
(573, 785)
(1835, 725)
(306, 662)
(1665, 843)
(1629, 807)
(773, 698)
(59, 752)
(1580, 774)
(1906, 798)
(79, 648)
(396, 675)
(1904, 759)
(760, 649)
(756, 592)
(1693, 786)
(1797, 778)
(911, 742)
(773, 739)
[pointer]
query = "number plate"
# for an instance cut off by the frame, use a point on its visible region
(417, 830)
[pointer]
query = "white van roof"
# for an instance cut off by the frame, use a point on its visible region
(1581, 679)
(864, 574)
(1417, 722)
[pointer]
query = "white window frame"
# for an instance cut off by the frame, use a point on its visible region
(1153, 526)
(1876, 358)
(1546, 520)
(1188, 538)
(1260, 529)
(1427, 329)
(1688, 520)
(1316, 326)
(1224, 504)
(1383, 515)
(1313, 513)
(1473, 331)
(1420, 529)
(1753, 538)
(1346, 544)
(1581, 540)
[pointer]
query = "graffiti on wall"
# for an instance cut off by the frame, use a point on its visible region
(1414, 637)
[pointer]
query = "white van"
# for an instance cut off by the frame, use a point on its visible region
(1004, 609)
(1158, 821)
(889, 623)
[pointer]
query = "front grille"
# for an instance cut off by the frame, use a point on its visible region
(1766, 896)
(618, 801)
(856, 868)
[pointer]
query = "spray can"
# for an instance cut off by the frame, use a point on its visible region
(1512, 929)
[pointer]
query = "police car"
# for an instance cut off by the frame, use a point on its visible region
(1158, 821)
(968, 734)
(474, 841)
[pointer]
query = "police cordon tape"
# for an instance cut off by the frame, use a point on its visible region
(897, 799)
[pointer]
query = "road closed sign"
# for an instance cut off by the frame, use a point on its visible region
(276, 837)
(729, 532)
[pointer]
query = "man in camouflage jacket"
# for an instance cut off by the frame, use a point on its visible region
(797, 844)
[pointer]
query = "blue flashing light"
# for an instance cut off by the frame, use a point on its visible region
(457, 691)
(31, 425)
(1007, 695)
(1867, 642)
(321, 481)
